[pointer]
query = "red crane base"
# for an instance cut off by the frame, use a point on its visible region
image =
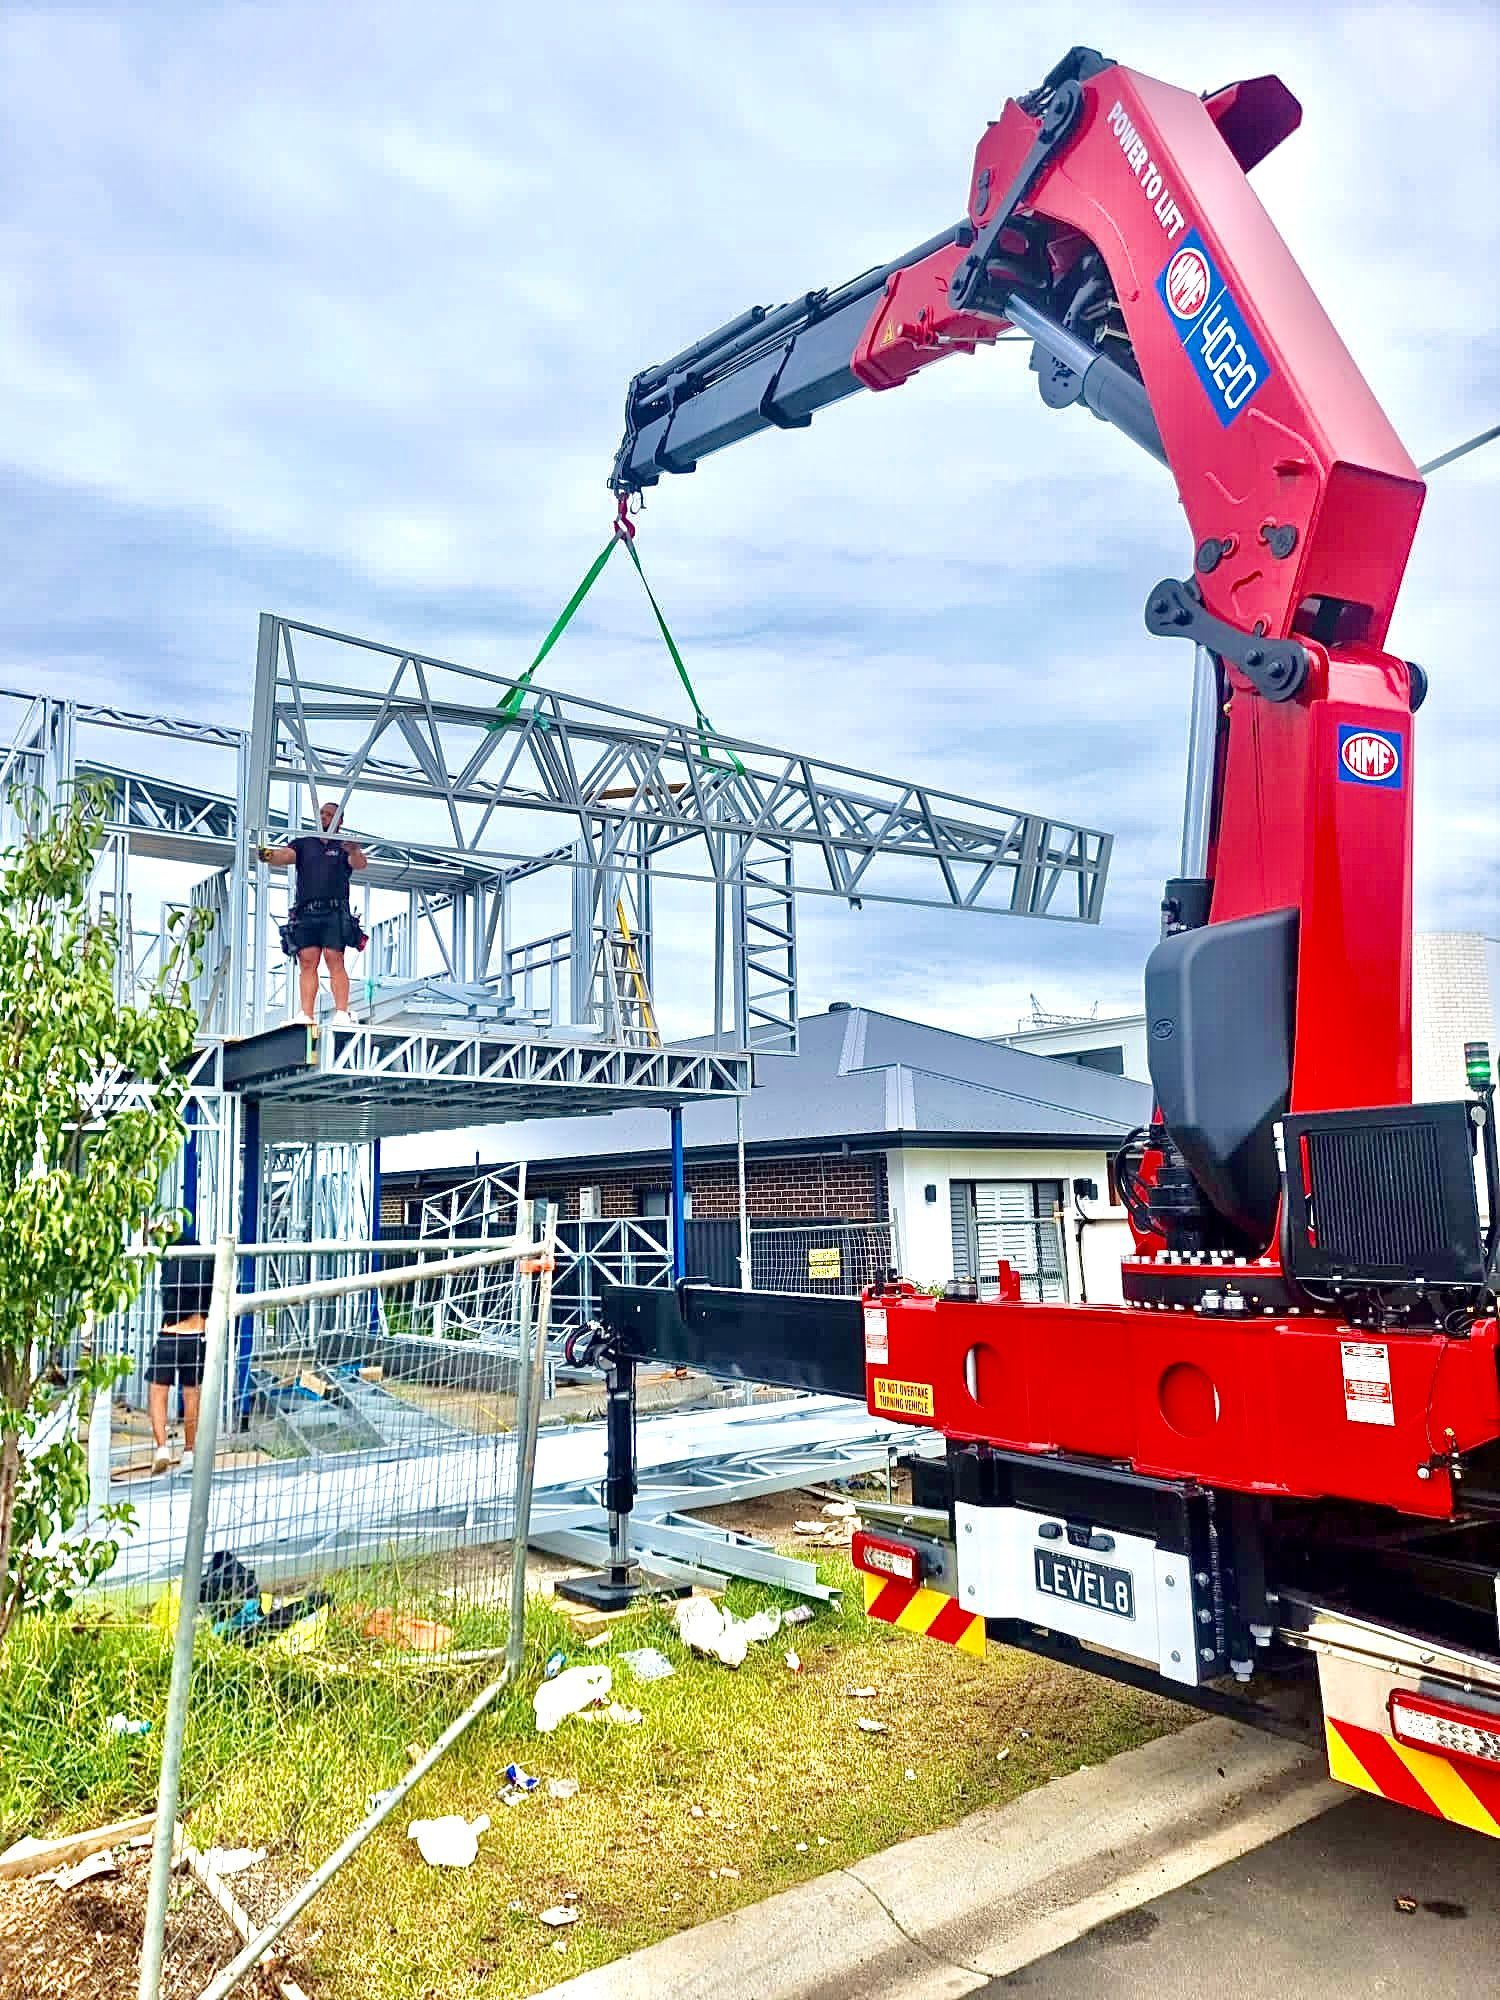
(1300, 1407)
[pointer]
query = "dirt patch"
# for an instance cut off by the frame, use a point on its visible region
(85, 1943)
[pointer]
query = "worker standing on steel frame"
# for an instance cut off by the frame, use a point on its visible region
(322, 926)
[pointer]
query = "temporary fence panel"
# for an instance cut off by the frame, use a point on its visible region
(350, 1532)
(839, 1258)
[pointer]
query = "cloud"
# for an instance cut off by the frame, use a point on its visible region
(332, 311)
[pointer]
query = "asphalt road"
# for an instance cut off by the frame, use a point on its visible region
(1310, 1916)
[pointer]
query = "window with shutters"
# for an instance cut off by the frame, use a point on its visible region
(1016, 1221)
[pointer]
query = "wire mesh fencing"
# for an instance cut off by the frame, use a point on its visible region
(836, 1258)
(324, 1521)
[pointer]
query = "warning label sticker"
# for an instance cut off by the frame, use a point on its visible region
(877, 1336)
(902, 1399)
(1367, 1382)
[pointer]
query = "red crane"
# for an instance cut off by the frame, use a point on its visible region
(1290, 1429)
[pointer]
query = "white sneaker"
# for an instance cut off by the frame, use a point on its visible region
(343, 1018)
(185, 1463)
(161, 1458)
(302, 1020)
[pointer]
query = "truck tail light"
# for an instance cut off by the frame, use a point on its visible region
(1442, 1726)
(879, 1556)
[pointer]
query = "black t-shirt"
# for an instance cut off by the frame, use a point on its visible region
(186, 1287)
(323, 869)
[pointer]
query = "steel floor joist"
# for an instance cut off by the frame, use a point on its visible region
(331, 1085)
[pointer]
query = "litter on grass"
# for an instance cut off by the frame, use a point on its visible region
(800, 1614)
(570, 1692)
(562, 1788)
(522, 1780)
(841, 1510)
(125, 1725)
(647, 1664)
(233, 1860)
(450, 1842)
(561, 1915)
(555, 1664)
(719, 1635)
(618, 1712)
(417, 1635)
(861, 1694)
(90, 1869)
(794, 1663)
(871, 1727)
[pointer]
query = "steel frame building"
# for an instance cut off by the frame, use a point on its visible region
(457, 782)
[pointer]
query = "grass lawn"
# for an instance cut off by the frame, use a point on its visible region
(736, 1784)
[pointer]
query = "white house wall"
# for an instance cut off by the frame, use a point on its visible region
(925, 1232)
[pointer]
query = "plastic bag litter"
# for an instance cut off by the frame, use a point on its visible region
(719, 1635)
(450, 1842)
(578, 1688)
(562, 1788)
(647, 1664)
(841, 1510)
(794, 1663)
(233, 1860)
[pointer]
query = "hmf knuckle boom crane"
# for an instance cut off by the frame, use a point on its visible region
(1286, 1440)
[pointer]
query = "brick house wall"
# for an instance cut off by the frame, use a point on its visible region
(813, 1186)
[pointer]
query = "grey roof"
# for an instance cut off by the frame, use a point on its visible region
(859, 1075)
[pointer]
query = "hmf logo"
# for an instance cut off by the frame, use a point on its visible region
(1186, 284)
(1369, 757)
(1214, 332)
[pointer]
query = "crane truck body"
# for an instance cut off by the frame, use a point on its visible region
(1285, 1442)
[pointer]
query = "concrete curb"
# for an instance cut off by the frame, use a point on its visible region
(940, 1916)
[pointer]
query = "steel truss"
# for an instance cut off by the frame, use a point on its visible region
(345, 719)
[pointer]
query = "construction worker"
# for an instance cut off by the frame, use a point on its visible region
(322, 926)
(177, 1356)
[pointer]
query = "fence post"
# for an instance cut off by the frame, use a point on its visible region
(216, 1344)
(531, 1360)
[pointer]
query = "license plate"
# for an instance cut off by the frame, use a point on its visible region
(1082, 1582)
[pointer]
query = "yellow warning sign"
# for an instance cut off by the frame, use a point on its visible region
(825, 1263)
(902, 1399)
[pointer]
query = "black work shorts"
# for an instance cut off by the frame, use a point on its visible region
(322, 930)
(177, 1357)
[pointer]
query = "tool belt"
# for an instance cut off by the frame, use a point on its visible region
(317, 911)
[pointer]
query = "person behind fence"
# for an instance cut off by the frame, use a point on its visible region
(177, 1354)
(322, 926)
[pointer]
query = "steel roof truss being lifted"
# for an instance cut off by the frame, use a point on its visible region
(436, 732)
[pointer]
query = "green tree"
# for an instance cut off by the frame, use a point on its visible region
(91, 1095)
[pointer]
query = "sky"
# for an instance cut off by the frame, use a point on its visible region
(331, 311)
